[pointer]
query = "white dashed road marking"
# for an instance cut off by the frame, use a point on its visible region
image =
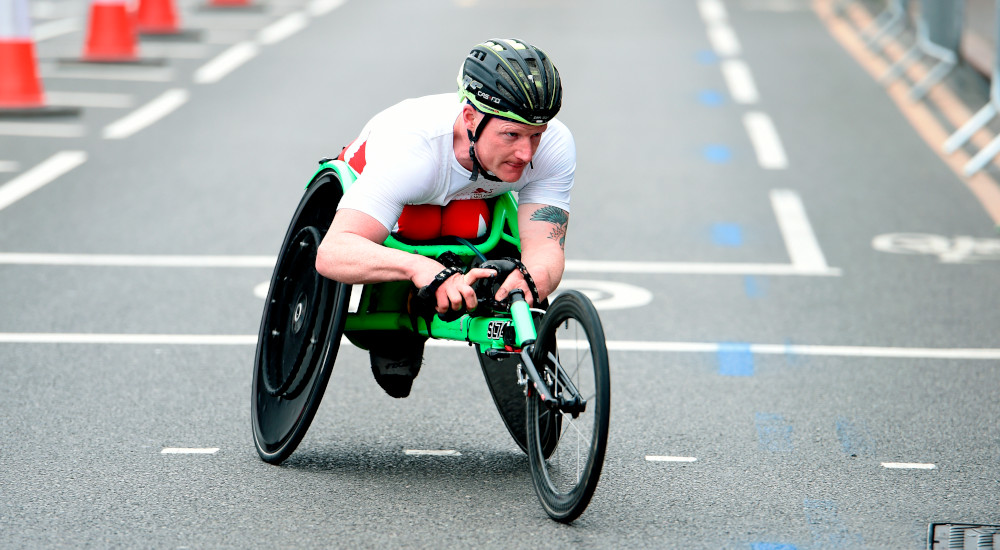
(148, 114)
(226, 62)
(189, 451)
(740, 81)
(800, 241)
(283, 28)
(765, 140)
(431, 452)
(908, 466)
(655, 458)
(39, 176)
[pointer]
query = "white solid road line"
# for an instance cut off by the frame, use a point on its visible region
(87, 99)
(765, 140)
(572, 266)
(226, 62)
(53, 29)
(283, 28)
(148, 114)
(803, 248)
(695, 268)
(130, 74)
(740, 81)
(123, 260)
(802, 349)
(41, 129)
(39, 176)
(989, 354)
(128, 339)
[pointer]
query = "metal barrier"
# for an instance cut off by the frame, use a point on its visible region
(891, 22)
(939, 35)
(980, 119)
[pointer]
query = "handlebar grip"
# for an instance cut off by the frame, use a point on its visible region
(524, 325)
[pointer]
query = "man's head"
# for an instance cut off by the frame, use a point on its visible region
(518, 84)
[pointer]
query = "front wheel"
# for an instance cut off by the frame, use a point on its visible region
(570, 352)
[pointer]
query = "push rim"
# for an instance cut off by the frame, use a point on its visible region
(294, 324)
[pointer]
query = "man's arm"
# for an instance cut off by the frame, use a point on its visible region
(542, 231)
(352, 253)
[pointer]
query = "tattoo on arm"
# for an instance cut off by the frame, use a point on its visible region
(558, 218)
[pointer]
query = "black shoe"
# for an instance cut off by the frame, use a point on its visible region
(395, 375)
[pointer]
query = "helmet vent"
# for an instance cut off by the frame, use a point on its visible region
(536, 76)
(505, 91)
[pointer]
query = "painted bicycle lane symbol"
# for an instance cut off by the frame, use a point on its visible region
(954, 250)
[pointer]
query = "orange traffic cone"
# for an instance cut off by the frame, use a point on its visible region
(19, 83)
(157, 17)
(21, 91)
(111, 34)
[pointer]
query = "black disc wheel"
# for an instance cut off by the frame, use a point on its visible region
(571, 358)
(300, 331)
(508, 396)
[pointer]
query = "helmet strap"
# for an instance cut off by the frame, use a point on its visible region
(472, 150)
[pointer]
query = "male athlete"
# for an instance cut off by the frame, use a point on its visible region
(423, 165)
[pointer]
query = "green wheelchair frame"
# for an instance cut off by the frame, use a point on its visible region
(306, 316)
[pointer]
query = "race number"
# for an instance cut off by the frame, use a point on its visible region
(494, 331)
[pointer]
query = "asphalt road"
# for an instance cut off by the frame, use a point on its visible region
(822, 390)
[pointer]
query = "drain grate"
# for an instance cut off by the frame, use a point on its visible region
(963, 536)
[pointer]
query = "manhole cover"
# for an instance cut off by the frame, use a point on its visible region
(963, 536)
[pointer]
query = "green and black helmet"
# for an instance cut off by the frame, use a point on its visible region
(511, 79)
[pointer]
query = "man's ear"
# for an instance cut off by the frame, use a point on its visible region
(469, 117)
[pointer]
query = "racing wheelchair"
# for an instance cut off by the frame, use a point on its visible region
(547, 369)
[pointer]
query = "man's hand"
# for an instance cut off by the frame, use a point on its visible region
(456, 292)
(513, 281)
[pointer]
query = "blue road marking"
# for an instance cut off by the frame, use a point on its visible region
(854, 438)
(771, 546)
(717, 154)
(735, 359)
(828, 529)
(753, 286)
(727, 234)
(707, 57)
(774, 434)
(711, 98)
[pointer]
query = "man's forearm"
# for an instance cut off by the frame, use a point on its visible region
(546, 271)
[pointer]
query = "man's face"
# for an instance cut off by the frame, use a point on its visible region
(505, 148)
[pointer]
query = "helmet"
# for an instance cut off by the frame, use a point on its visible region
(511, 79)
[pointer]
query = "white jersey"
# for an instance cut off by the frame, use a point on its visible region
(405, 155)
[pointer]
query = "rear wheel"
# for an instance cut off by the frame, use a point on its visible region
(300, 331)
(570, 352)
